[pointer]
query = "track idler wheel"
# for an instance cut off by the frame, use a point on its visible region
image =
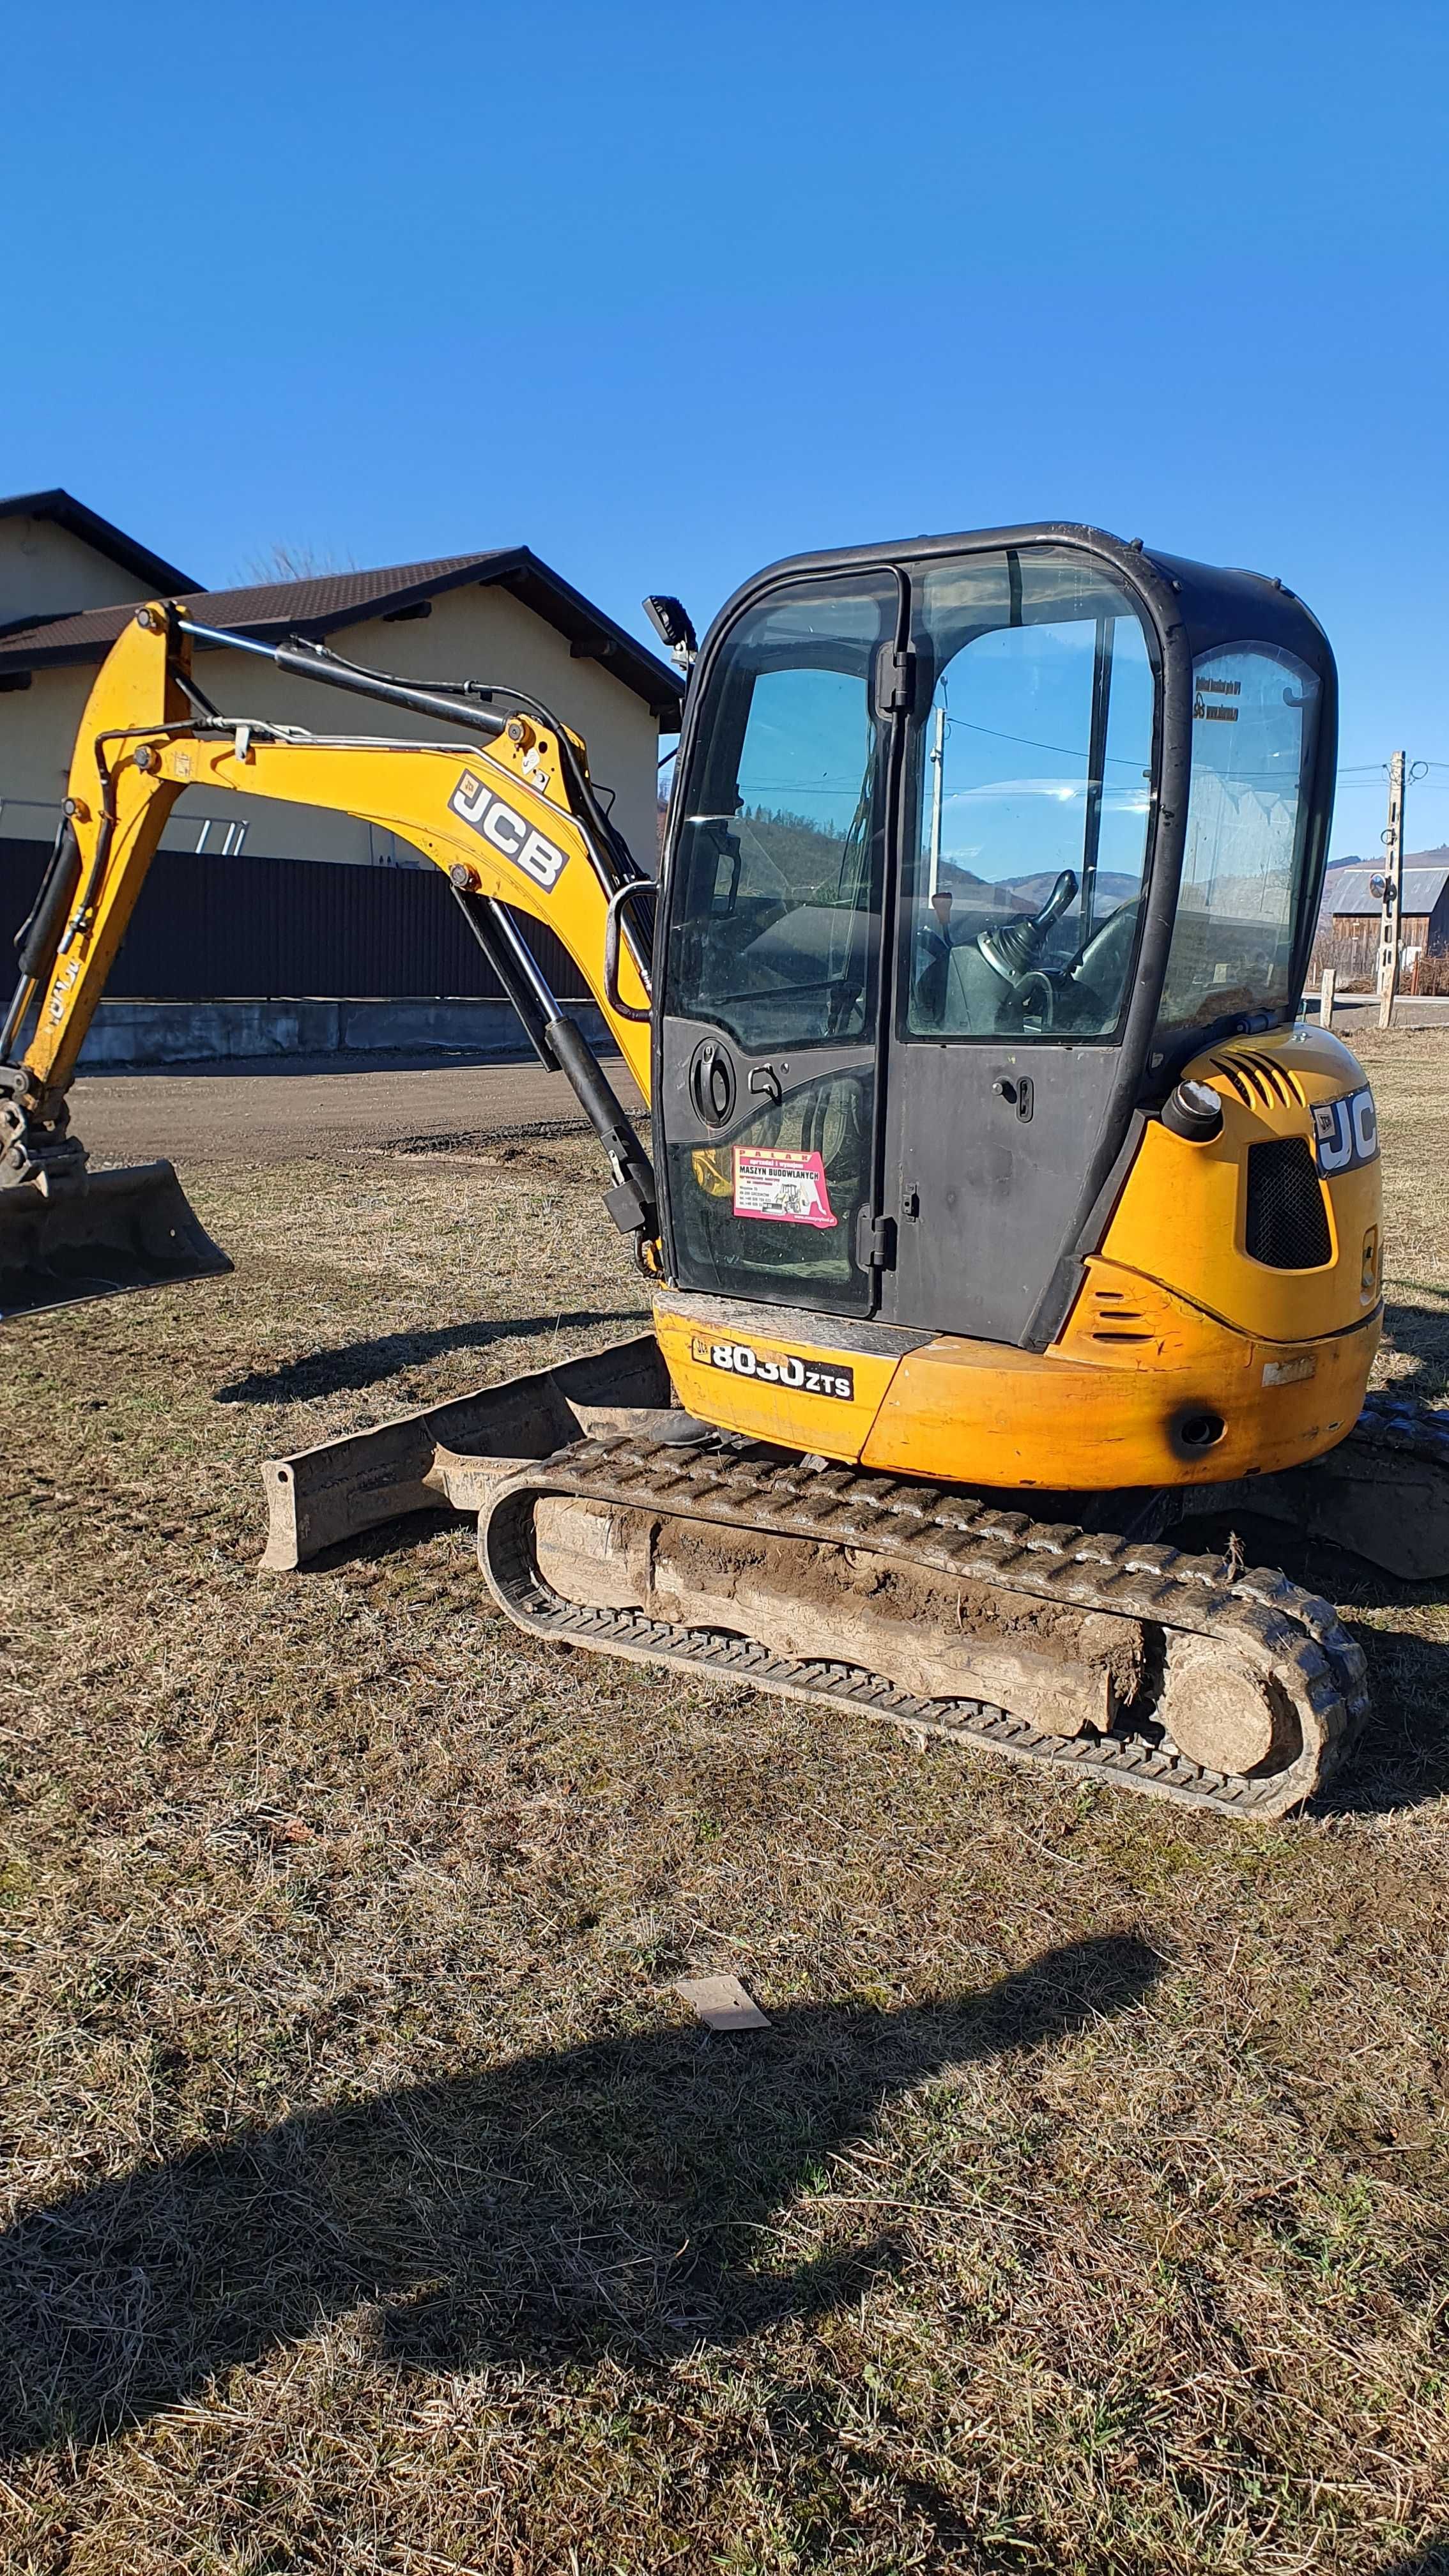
(1219, 1711)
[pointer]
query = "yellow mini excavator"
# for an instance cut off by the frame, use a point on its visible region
(1002, 1216)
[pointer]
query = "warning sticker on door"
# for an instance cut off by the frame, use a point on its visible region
(790, 1188)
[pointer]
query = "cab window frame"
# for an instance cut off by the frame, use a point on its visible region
(915, 791)
(704, 768)
(1212, 692)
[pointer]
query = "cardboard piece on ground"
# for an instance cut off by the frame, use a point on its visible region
(722, 2002)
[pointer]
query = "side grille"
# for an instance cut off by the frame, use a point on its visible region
(1287, 1222)
(1115, 1320)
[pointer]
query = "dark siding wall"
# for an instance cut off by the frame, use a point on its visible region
(1349, 943)
(218, 929)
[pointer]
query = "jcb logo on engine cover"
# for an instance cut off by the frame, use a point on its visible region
(1346, 1132)
(509, 833)
(806, 1377)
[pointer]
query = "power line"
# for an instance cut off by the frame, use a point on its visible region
(1068, 750)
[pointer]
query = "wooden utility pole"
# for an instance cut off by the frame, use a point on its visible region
(1389, 936)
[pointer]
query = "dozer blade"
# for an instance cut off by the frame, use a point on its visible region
(452, 1456)
(99, 1234)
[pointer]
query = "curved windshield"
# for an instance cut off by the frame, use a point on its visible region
(1254, 736)
(1033, 799)
(775, 910)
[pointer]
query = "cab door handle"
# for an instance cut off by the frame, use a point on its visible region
(711, 1083)
(1019, 1095)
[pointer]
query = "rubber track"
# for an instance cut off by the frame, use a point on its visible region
(1291, 1634)
(1397, 1426)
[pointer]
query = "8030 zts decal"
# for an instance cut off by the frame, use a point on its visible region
(803, 1377)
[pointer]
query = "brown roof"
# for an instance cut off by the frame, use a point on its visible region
(271, 611)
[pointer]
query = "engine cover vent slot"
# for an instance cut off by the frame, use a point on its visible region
(1259, 1080)
(1287, 1222)
(1113, 1320)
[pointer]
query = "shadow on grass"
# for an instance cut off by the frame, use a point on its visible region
(1402, 1757)
(359, 1364)
(609, 2197)
(1420, 1334)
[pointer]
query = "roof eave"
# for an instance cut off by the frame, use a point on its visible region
(518, 570)
(67, 512)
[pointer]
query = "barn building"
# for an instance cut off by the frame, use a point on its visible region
(1351, 916)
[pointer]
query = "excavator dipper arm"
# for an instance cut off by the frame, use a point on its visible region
(506, 811)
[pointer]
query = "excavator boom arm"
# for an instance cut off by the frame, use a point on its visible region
(494, 815)
(506, 811)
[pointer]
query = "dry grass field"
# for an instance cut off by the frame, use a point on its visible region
(372, 2202)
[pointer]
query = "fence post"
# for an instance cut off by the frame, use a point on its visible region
(1325, 999)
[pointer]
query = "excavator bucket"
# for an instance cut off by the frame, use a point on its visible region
(99, 1234)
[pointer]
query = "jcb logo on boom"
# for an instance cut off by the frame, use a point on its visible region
(509, 833)
(61, 990)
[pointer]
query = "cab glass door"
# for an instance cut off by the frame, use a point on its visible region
(769, 1025)
(1026, 847)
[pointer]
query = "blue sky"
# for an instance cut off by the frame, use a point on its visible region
(668, 291)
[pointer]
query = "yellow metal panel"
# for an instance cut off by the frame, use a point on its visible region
(1122, 1321)
(976, 1413)
(785, 1390)
(1181, 1216)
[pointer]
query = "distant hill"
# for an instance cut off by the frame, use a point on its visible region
(809, 861)
(1412, 859)
(1026, 893)
(1031, 892)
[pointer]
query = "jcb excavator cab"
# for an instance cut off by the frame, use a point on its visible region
(975, 844)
